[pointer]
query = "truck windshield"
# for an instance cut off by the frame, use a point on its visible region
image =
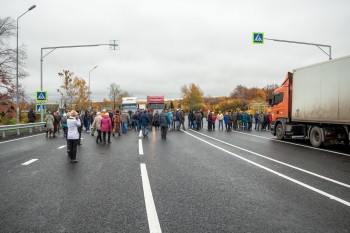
(155, 106)
(132, 107)
(277, 98)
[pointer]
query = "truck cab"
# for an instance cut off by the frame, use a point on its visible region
(280, 107)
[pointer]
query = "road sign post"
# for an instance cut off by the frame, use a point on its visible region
(41, 97)
(40, 108)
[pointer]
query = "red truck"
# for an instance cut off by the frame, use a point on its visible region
(155, 103)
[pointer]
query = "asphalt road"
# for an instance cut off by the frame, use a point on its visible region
(191, 182)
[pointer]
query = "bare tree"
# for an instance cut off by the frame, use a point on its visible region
(8, 63)
(114, 92)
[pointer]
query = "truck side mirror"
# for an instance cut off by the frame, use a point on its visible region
(270, 102)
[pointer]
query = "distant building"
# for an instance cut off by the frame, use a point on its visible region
(7, 110)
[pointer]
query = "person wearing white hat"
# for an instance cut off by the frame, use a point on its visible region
(73, 122)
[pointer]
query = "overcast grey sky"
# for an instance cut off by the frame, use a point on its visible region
(166, 44)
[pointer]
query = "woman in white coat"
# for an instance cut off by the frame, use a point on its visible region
(73, 122)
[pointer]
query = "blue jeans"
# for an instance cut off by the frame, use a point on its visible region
(221, 122)
(124, 127)
(136, 125)
(145, 131)
(194, 122)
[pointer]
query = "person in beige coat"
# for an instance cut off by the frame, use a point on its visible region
(96, 125)
(49, 123)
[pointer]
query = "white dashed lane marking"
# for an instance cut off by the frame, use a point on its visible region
(29, 162)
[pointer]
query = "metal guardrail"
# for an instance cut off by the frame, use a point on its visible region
(30, 126)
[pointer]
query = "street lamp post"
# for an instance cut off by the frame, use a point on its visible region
(89, 86)
(113, 46)
(17, 102)
(317, 45)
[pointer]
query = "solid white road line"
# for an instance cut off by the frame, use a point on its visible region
(140, 147)
(61, 147)
(29, 162)
(152, 217)
(22, 138)
(140, 134)
(277, 173)
(277, 161)
(310, 147)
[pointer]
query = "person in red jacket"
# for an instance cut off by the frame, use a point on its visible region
(213, 119)
(106, 128)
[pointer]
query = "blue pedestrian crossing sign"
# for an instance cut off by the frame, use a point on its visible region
(41, 96)
(258, 38)
(40, 108)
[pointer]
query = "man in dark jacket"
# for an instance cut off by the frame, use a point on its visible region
(182, 119)
(210, 121)
(256, 117)
(145, 122)
(31, 116)
(164, 122)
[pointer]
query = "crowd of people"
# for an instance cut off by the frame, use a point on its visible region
(109, 124)
(233, 120)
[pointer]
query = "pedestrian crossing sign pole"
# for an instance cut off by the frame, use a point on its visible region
(41, 96)
(40, 108)
(258, 38)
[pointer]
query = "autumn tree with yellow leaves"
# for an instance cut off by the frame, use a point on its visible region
(74, 91)
(192, 97)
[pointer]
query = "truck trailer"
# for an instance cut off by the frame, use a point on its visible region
(155, 103)
(313, 102)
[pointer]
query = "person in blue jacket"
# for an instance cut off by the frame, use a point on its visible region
(226, 120)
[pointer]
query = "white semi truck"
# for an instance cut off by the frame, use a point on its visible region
(129, 104)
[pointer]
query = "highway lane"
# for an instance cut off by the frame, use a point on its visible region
(102, 193)
(196, 182)
(206, 189)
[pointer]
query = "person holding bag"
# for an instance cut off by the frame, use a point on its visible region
(73, 122)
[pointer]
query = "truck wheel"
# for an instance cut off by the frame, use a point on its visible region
(316, 136)
(279, 132)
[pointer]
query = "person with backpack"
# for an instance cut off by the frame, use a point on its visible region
(145, 122)
(198, 120)
(164, 122)
(156, 120)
